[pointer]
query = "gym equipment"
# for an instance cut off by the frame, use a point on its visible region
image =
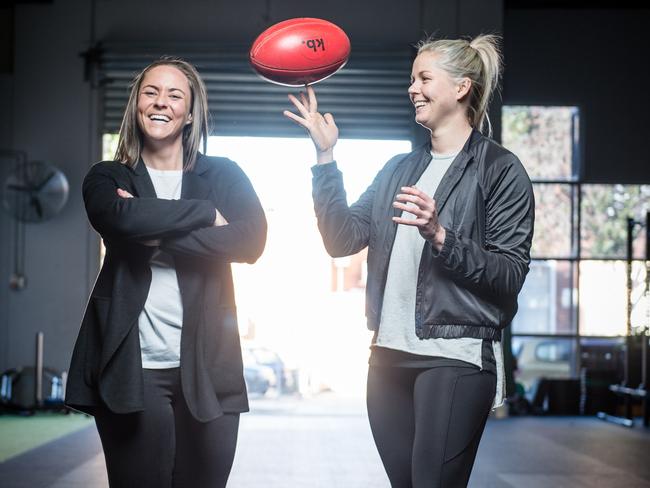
(554, 396)
(31, 388)
(636, 368)
(301, 51)
(601, 364)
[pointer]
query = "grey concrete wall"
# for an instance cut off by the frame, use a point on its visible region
(6, 87)
(50, 121)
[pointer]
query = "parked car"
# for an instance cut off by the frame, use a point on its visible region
(259, 378)
(282, 379)
(541, 357)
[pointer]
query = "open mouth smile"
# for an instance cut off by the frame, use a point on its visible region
(418, 104)
(159, 118)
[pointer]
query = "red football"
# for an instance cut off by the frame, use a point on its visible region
(300, 51)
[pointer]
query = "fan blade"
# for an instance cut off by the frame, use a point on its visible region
(37, 206)
(20, 188)
(40, 186)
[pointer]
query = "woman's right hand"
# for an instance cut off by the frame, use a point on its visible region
(322, 128)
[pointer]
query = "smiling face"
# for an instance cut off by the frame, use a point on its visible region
(164, 102)
(437, 98)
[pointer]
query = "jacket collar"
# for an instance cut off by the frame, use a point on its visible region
(200, 167)
(194, 186)
(456, 170)
(469, 146)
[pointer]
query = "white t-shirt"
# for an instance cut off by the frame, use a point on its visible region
(397, 323)
(161, 320)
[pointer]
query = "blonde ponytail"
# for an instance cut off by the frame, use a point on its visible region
(480, 61)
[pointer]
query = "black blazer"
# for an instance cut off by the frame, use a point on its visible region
(106, 365)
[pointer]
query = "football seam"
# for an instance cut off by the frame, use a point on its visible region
(297, 70)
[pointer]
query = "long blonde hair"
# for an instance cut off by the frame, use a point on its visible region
(479, 60)
(130, 142)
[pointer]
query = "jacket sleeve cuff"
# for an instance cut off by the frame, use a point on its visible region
(445, 251)
(320, 169)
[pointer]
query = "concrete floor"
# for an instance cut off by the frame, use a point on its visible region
(326, 442)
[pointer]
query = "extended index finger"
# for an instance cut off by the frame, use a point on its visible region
(313, 103)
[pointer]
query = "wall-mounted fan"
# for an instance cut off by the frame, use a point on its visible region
(35, 191)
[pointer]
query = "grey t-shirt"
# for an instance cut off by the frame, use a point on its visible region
(397, 323)
(161, 319)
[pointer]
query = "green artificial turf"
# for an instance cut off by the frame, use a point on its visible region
(19, 434)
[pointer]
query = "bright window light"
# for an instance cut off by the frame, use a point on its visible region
(286, 301)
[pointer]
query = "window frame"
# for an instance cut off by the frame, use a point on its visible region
(574, 259)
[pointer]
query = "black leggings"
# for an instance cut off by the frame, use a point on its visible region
(164, 446)
(427, 423)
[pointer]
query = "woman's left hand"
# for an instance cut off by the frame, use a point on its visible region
(423, 207)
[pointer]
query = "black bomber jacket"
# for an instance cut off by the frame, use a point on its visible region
(485, 203)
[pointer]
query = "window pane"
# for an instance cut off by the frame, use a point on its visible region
(546, 300)
(542, 357)
(603, 297)
(605, 209)
(552, 236)
(109, 146)
(544, 138)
